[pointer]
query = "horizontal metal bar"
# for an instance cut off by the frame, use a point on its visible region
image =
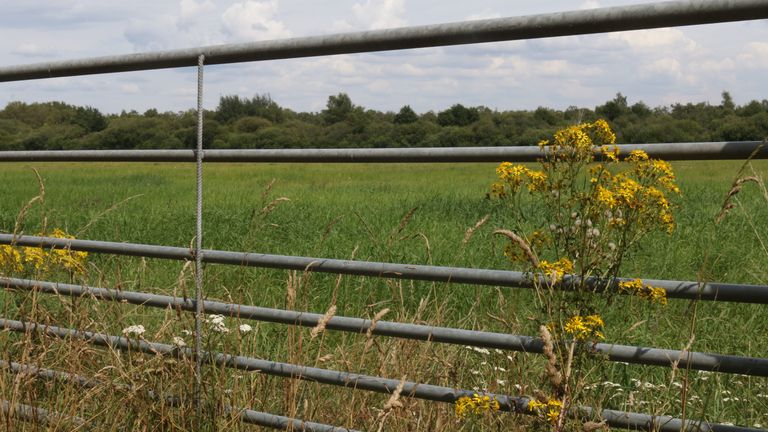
(274, 421)
(610, 19)
(675, 289)
(663, 423)
(246, 415)
(614, 352)
(667, 151)
(285, 370)
(40, 416)
(518, 404)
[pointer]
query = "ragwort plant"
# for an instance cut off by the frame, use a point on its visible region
(574, 221)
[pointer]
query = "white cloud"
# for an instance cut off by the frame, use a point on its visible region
(664, 66)
(374, 14)
(191, 12)
(656, 39)
(484, 14)
(589, 4)
(29, 49)
(756, 55)
(130, 88)
(253, 20)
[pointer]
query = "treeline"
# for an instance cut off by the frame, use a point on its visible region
(260, 122)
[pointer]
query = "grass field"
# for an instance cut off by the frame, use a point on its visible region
(357, 211)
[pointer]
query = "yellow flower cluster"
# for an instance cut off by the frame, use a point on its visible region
(556, 270)
(640, 194)
(14, 259)
(512, 177)
(475, 405)
(636, 287)
(549, 410)
(10, 259)
(611, 153)
(583, 328)
(576, 142)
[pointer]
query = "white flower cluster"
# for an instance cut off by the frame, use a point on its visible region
(245, 328)
(217, 323)
(136, 330)
(179, 342)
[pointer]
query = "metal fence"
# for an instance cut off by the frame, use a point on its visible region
(647, 16)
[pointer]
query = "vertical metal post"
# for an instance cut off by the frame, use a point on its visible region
(199, 247)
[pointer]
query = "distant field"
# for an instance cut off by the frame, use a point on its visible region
(345, 211)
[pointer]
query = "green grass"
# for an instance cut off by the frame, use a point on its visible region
(345, 211)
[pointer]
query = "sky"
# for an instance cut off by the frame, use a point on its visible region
(658, 67)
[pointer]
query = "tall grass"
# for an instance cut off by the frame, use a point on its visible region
(398, 213)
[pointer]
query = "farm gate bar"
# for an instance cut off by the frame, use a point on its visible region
(647, 16)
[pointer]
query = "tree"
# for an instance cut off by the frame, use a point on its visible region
(613, 109)
(458, 115)
(232, 108)
(727, 104)
(405, 116)
(337, 109)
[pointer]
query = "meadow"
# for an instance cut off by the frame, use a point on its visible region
(404, 213)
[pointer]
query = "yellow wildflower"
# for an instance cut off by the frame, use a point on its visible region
(611, 153)
(637, 156)
(537, 180)
(606, 197)
(603, 132)
(549, 410)
(42, 260)
(36, 257)
(583, 328)
(636, 287)
(556, 270)
(10, 259)
(475, 405)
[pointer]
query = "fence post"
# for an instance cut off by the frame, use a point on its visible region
(199, 245)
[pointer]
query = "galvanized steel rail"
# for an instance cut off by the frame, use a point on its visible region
(40, 416)
(516, 404)
(614, 352)
(602, 20)
(667, 151)
(246, 415)
(675, 289)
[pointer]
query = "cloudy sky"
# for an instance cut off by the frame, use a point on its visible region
(657, 66)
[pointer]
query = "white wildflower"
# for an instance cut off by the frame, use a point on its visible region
(137, 330)
(245, 328)
(179, 342)
(216, 319)
(219, 328)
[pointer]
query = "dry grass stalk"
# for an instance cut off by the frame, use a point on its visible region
(523, 245)
(272, 205)
(25, 209)
(104, 213)
(555, 378)
(328, 229)
(405, 220)
(320, 327)
(593, 426)
(471, 230)
(369, 334)
(290, 289)
(267, 189)
(735, 189)
(392, 403)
